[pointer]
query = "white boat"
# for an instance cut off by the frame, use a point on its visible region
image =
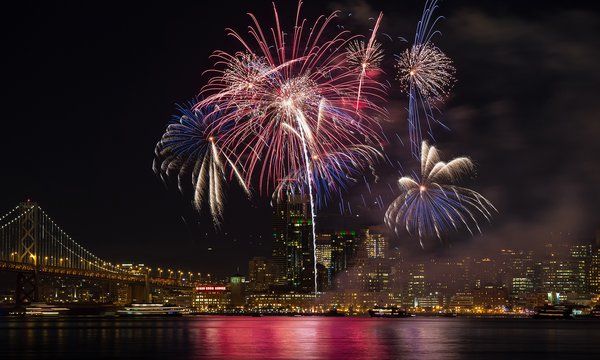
(153, 310)
(43, 309)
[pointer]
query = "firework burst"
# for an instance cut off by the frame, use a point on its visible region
(362, 57)
(189, 149)
(292, 99)
(426, 74)
(365, 58)
(430, 205)
(428, 70)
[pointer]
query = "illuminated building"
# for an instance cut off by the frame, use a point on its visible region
(594, 273)
(179, 297)
(211, 298)
(490, 296)
(581, 262)
(461, 300)
(375, 244)
(279, 301)
(260, 274)
(416, 284)
(430, 300)
(324, 250)
(377, 277)
(521, 285)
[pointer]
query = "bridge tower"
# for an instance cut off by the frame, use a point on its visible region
(29, 234)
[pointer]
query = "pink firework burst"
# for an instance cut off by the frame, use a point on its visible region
(292, 97)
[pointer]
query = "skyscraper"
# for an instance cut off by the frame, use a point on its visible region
(375, 244)
(595, 272)
(292, 243)
(324, 250)
(344, 249)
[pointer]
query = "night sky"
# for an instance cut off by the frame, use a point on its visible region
(88, 89)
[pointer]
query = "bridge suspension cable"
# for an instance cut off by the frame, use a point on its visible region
(28, 235)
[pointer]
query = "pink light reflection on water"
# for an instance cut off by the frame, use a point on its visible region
(308, 337)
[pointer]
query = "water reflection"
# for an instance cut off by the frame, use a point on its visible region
(295, 338)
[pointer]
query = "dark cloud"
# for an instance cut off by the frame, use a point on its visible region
(523, 109)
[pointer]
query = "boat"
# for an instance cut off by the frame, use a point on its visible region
(334, 313)
(447, 314)
(43, 309)
(388, 312)
(553, 312)
(153, 310)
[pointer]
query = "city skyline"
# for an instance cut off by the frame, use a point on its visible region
(357, 271)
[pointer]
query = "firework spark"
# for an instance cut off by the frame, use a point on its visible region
(188, 148)
(430, 205)
(426, 74)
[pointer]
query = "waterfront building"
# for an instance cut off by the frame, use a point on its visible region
(490, 296)
(277, 302)
(429, 301)
(211, 298)
(461, 301)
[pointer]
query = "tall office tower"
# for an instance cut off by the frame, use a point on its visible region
(324, 250)
(563, 276)
(581, 256)
(595, 272)
(292, 243)
(377, 276)
(280, 221)
(416, 284)
(345, 246)
(375, 244)
(324, 270)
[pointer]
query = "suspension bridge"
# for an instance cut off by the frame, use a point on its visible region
(33, 245)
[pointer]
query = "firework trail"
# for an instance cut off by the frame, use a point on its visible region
(365, 57)
(188, 148)
(426, 74)
(291, 101)
(430, 205)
